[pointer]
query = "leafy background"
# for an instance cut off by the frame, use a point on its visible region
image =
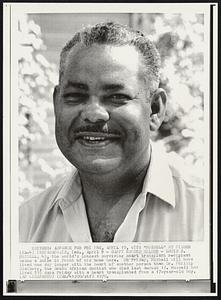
(180, 41)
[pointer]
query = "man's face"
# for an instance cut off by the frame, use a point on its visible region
(102, 111)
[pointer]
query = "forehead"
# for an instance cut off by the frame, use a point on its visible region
(103, 58)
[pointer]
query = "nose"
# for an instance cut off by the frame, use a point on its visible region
(94, 112)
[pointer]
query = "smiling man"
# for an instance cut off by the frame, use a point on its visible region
(106, 104)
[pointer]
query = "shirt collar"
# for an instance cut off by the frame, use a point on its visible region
(70, 189)
(158, 181)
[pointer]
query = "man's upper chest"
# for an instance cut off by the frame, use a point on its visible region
(103, 226)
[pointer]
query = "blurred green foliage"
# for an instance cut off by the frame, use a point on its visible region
(180, 41)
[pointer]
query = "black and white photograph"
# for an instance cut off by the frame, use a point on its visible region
(112, 119)
(121, 188)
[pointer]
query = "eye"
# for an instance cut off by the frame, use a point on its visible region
(118, 98)
(74, 98)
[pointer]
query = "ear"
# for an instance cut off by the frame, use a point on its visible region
(158, 109)
(56, 97)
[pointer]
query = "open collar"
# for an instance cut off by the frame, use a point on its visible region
(70, 190)
(158, 181)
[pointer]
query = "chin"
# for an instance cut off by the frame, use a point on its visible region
(98, 166)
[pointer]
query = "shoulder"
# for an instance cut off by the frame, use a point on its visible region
(31, 212)
(179, 170)
(186, 216)
(189, 199)
(182, 172)
(189, 195)
(44, 198)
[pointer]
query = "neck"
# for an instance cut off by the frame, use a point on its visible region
(108, 199)
(112, 185)
(108, 189)
(105, 194)
(108, 202)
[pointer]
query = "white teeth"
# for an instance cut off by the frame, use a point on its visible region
(93, 138)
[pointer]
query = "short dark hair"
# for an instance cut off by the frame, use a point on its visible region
(111, 33)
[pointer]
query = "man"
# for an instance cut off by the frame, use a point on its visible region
(106, 104)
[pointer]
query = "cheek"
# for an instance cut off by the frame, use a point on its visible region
(64, 118)
(133, 118)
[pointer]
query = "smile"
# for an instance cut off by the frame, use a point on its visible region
(96, 138)
(93, 138)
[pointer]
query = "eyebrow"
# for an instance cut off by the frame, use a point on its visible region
(113, 86)
(105, 87)
(77, 85)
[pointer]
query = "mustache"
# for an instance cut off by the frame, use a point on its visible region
(96, 128)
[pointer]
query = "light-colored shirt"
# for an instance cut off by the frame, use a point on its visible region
(169, 208)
